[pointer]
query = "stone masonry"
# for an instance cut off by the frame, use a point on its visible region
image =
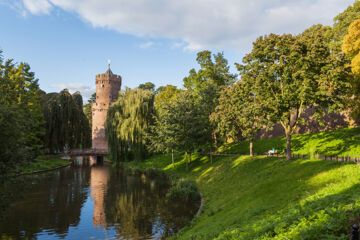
(107, 91)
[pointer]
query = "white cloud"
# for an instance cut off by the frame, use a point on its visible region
(85, 91)
(231, 24)
(146, 45)
(37, 6)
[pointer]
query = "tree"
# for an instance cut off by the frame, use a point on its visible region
(206, 84)
(65, 122)
(21, 119)
(342, 22)
(147, 86)
(215, 72)
(127, 121)
(239, 113)
(179, 125)
(87, 108)
(351, 46)
(291, 73)
(165, 94)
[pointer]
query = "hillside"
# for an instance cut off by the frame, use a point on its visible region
(271, 198)
(341, 142)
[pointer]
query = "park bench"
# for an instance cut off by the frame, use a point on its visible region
(269, 153)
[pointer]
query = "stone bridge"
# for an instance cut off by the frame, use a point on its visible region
(85, 152)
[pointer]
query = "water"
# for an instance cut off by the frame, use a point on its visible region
(93, 201)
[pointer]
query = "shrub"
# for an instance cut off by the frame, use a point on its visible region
(185, 190)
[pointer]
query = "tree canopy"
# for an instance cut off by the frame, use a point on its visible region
(21, 118)
(66, 124)
(291, 73)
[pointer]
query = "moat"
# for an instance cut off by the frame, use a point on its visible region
(91, 200)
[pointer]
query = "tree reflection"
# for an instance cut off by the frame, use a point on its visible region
(137, 207)
(52, 201)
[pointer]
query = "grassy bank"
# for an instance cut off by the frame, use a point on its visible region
(341, 142)
(40, 164)
(269, 198)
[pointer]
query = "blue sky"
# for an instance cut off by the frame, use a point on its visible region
(67, 42)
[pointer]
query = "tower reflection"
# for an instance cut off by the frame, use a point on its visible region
(99, 176)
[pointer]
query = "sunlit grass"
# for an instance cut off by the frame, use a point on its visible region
(269, 198)
(341, 142)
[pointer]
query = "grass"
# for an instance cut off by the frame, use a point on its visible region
(268, 198)
(341, 142)
(41, 163)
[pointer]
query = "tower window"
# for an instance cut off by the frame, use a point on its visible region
(102, 85)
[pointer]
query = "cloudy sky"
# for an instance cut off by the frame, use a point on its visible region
(67, 42)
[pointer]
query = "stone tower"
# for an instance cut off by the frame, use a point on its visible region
(107, 91)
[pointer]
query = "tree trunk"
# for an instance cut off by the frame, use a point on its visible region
(186, 161)
(288, 145)
(215, 140)
(172, 158)
(251, 148)
(211, 158)
(190, 157)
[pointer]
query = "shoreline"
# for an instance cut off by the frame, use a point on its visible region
(43, 164)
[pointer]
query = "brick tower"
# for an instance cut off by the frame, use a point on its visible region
(107, 91)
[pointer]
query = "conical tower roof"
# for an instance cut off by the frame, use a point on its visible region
(108, 71)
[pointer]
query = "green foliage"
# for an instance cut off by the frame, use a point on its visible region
(211, 72)
(206, 84)
(127, 121)
(239, 113)
(342, 22)
(147, 86)
(179, 125)
(184, 189)
(21, 118)
(87, 108)
(66, 124)
(165, 94)
(291, 73)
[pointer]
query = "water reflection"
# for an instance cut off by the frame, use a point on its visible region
(98, 183)
(91, 200)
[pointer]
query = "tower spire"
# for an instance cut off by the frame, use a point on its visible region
(108, 71)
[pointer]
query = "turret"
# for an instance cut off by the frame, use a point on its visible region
(108, 86)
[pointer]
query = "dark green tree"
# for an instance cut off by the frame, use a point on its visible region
(66, 124)
(21, 119)
(87, 108)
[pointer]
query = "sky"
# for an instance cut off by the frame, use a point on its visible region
(68, 42)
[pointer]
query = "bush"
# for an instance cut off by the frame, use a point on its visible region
(185, 190)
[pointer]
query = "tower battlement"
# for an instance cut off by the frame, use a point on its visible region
(108, 86)
(107, 76)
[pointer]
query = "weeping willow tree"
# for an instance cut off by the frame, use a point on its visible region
(127, 121)
(66, 124)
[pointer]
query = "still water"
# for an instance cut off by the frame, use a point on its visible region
(90, 200)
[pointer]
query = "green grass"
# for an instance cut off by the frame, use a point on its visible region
(268, 198)
(41, 163)
(341, 142)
